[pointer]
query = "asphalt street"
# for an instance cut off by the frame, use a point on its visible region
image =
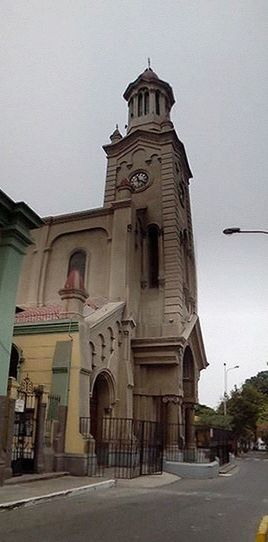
(225, 509)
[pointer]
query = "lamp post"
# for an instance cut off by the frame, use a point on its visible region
(231, 231)
(226, 371)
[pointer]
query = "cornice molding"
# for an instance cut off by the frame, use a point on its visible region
(39, 328)
(143, 136)
(80, 215)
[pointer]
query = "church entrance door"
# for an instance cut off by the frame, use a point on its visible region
(99, 405)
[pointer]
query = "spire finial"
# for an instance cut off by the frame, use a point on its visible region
(149, 63)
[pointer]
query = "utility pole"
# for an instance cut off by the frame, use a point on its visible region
(226, 371)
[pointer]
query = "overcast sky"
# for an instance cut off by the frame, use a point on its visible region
(64, 66)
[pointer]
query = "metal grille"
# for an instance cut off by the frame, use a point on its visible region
(128, 448)
(23, 446)
(217, 442)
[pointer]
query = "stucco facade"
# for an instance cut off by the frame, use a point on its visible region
(16, 222)
(137, 350)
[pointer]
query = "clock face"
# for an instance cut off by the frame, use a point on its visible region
(139, 180)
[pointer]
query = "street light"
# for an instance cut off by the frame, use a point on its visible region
(230, 231)
(226, 371)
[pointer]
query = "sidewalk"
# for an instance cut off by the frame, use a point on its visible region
(30, 489)
(22, 493)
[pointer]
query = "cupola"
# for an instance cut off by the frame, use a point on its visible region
(150, 100)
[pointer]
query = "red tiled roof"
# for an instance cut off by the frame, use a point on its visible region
(36, 314)
(55, 312)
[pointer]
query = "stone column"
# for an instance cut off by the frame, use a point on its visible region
(152, 102)
(172, 403)
(189, 427)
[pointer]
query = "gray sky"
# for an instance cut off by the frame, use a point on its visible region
(64, 66)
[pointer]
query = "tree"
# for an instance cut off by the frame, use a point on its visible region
(247, 409)
(245, 406)
(208, 416)
(260, 382)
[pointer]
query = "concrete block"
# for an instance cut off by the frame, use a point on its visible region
(192, 470)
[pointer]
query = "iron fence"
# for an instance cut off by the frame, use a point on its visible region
(176, 449)
(128, 447)
(219, 441)
(25, 428)
(131, 448)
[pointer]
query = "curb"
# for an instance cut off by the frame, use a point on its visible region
(63, 493)
(225, 469)
(262, 534)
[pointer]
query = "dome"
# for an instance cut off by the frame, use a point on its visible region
(149, 76)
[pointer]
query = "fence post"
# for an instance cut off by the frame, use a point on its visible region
(142, 447)
(40, 429)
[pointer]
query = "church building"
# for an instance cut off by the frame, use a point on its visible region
(107, 304)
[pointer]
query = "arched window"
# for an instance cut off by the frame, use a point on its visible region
(112, 339)
(92, 355)
(131, 108)
(140, 100)
(146, 103)
(102, 347)
(153, 257)
(77, 262)
(188, 374)
(119, 334)
(157, 102)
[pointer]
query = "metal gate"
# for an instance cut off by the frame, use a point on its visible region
(25, 428)
(128, 448)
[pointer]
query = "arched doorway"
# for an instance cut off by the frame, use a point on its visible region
(100, 404)
(14, 362)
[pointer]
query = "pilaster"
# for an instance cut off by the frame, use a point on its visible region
(171, 227)
(13, 244)
(120, 249)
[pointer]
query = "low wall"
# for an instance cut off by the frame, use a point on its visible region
(192, 470)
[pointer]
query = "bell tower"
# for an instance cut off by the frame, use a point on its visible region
(149, 102)
(148, 170)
